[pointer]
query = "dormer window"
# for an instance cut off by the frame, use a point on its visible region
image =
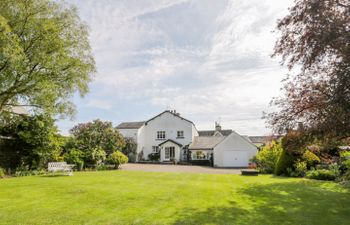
(160, 134)
(180, 134)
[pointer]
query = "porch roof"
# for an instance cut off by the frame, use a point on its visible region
(170, 140)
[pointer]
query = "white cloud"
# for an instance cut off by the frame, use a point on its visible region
(99, 104)
(208, 59)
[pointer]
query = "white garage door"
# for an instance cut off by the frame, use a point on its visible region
(235, 159)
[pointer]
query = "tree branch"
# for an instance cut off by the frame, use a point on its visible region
(5, 64)
(24, 105)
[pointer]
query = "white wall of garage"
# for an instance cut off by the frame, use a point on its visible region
(234, 151)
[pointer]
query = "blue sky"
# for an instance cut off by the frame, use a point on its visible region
(208, 59)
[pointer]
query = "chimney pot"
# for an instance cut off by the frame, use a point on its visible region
(217, 126)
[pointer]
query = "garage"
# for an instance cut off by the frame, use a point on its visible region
(233, 151)
(235, 159)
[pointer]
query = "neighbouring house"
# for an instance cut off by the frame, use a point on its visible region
(176, 138)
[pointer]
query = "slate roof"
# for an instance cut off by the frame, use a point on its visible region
(168, 111)
(205, 142)
(170, 141)
(130, 125)
(257, 139)
(208, 133)
(263, 139)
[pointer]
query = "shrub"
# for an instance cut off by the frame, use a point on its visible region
(283, 162)
(266, 158)
(98, 156)
(75, 157)
(130, 149)
(300, 168)
(23, 171)
(335, 169)
(104, 167)
(345, 159)
(322, 174)
(310, 158)
(345, 165)
(2, 173)
(117, 158)
(154, 156)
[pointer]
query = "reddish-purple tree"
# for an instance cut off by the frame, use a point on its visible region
(315, 42)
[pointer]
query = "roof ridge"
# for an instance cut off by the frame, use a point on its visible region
(168, 111)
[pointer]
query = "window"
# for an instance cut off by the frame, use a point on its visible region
(180, 134)
(169, 152)
(160, 134)
(200, 155)
(155, 149)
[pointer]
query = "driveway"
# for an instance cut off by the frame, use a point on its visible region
(178, 168)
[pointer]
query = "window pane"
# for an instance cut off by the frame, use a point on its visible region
(180, 134)
(160, 134)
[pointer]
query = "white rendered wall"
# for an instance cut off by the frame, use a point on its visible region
(170, 124)
(233, 142)
(129, 133)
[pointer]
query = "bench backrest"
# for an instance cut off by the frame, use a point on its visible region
(57, 165)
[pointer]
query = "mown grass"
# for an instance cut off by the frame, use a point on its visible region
(126, 197)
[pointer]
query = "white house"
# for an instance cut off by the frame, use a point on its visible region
(176, 138)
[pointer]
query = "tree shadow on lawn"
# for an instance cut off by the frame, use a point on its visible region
(297, 202)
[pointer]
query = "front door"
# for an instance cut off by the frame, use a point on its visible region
(169, 153)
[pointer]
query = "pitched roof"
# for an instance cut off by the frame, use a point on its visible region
(263, 139)
(208, 133)
(169, 140)
(205, 142)
(130, 125)
(168, 111)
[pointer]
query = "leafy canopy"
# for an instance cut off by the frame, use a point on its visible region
(34, 141)
(315, 37)
(45, 56)
(92, 137)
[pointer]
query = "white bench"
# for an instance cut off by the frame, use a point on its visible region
(54, 167)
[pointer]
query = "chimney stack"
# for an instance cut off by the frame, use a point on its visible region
(217, 126)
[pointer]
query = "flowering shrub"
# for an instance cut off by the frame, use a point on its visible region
(117, 158)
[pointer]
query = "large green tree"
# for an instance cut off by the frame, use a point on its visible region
(96, 136)
(45, 56)
(315, 44)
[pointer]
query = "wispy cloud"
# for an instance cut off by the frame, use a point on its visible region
(208, 59)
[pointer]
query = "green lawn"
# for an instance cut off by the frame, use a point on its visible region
(125, 197)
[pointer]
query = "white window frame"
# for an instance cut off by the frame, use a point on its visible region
(155, 149)
(169, 153)
(161, 134)
(203, 153)
(182, 134)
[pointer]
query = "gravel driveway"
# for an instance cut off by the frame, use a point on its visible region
(178, 168)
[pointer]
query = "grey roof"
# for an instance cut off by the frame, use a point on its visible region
(263, 139)
(205, 142)
(131, 125)
(170, 141)
(173, 113)
(208, 133)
